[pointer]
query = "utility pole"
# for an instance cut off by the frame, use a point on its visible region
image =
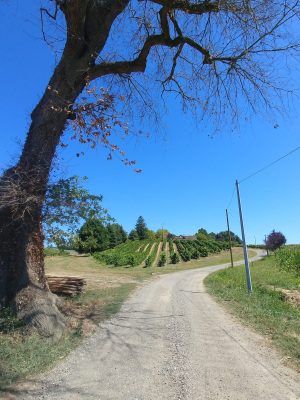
(247, 267)
(266, 245)
(229, 237)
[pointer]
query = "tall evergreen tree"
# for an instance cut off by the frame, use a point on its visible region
(133, 235)
(123, 234)
(112, 236)
(116, 235)
(141, 228)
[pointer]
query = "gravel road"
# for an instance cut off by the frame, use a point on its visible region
(170, 341)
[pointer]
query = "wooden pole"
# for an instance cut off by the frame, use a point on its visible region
(229, 237)
(247, 267)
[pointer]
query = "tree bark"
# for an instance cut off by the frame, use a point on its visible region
(22, 188)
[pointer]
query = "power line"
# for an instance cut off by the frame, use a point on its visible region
(269, 165)
(231, 198)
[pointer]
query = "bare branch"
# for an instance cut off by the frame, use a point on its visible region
(199, 8)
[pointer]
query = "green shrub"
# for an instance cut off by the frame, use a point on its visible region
(162, 260)
(288, 258)
(185, 255)
(114, 260)
(132, 261)
(195, 254)
(182, 247)
(174, 258)
(148, 262)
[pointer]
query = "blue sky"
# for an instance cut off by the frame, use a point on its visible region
(188, 176)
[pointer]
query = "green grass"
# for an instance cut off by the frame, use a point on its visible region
(265, 309)
(102, 304)
(22, 354)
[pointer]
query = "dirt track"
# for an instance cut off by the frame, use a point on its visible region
(170, 341)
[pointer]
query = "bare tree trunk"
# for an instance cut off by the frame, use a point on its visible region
(22, 192)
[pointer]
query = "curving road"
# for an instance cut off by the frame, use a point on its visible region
(170, 341)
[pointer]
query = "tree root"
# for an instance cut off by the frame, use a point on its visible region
(38, 308)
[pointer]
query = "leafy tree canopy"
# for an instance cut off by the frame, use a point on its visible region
(202, 234)
(275, 240)
(223, 236)
(150, 234)
(93, 236)
(67, 205)
(162, 234)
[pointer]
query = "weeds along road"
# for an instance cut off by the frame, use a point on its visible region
(170, 341)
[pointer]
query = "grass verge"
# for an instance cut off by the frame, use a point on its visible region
(267, 309)
(23, 354)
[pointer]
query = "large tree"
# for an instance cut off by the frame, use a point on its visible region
(141, 228)
(223, 236)
(116, 234)
(93, 236)
(210, 53)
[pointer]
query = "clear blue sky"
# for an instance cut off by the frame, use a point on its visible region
(187, 178)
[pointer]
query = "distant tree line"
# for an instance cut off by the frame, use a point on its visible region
(141, 232)
(220, 236)
(95, 236)
(73, 218)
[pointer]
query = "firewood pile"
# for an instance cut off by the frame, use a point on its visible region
(66, 285)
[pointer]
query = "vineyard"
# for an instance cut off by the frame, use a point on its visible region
(151, 252)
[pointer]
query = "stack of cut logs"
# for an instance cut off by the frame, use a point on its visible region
(66, 285)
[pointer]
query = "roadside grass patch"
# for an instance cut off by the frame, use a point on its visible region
(23, 354)
(94, 306)
(266, 309)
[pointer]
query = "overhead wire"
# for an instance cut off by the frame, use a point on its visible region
(259, 171)
(269, 165)
(231, 198)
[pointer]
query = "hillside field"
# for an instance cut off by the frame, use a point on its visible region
(152, 253)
